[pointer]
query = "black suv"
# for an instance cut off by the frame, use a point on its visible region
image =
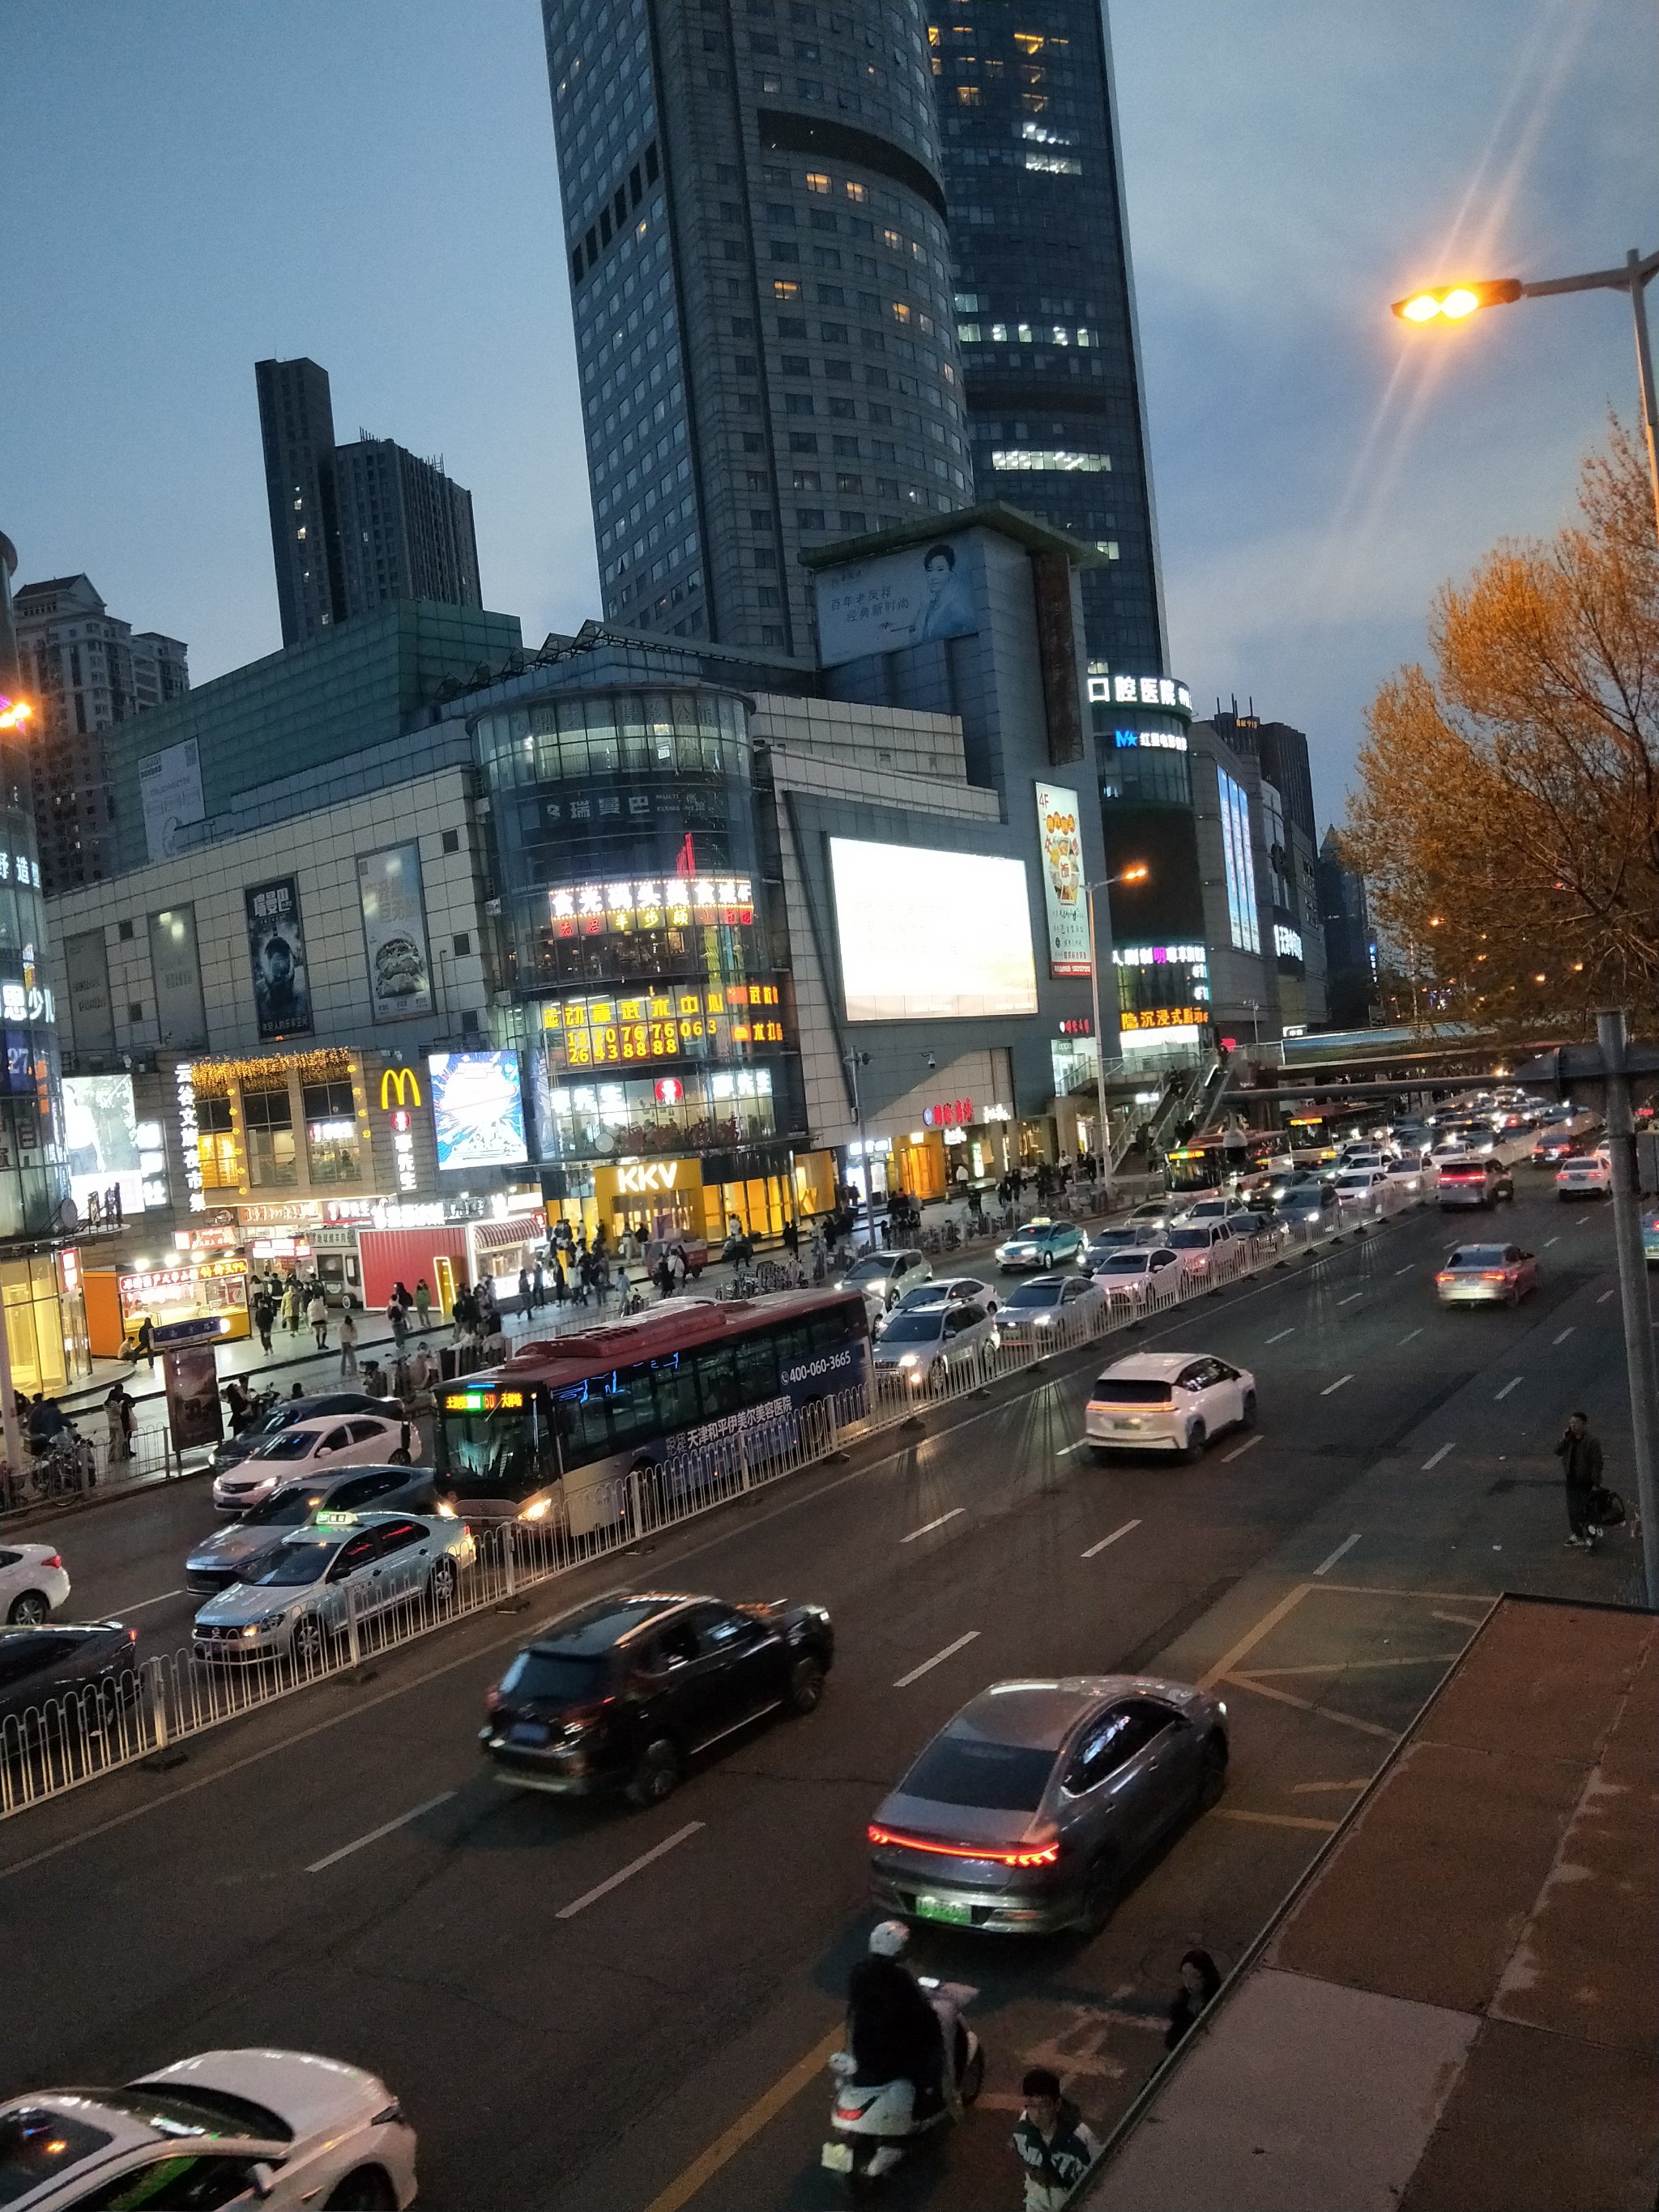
(622, 1694)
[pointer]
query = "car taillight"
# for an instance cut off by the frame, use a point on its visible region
(1041, 1855)
(51, 1562)
(1493, 1275)
(1445, 1279)
(492, 1701)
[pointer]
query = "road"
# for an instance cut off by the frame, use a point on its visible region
(339, 1874)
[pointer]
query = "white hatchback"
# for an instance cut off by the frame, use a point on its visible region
(1168, 1402)
(316, 1447)
(32, 1582)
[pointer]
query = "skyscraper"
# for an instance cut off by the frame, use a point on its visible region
(87, 670)
(754, 217)
(352, 526)
(1045, 300)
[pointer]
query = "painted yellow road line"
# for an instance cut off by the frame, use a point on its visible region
(764, 2110)
(1265, 1626)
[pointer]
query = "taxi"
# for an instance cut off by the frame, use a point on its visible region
(1038, 1245)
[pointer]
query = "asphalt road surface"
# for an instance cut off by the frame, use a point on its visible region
(586, 2008)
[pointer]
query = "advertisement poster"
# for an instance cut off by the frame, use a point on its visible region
(100, 1133)
(175, 967)
(85, 965)
(1063, 880)
(394, 932)
(901, 599)
(477, 1109)
(931, 936)
(194, 1413)
(277, 954)
(170, 796)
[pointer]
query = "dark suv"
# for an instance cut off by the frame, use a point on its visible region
(622, 1694)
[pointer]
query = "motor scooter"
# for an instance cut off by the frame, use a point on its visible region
(874, 2127)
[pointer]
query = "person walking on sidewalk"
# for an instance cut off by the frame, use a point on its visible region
(1580, 1454)
(348, 1345)
(397, 1313)
(317, 1315)
(1052, 2142)
(423, 1303)
(291, 1307)
(263, 1314)
(147, 1342)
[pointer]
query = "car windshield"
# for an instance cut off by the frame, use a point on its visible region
(1309, 1194)
(1126, 1263)
(293, 1443)
(1034, 1294)
(966, 1770)
(301, 1561)
(1478, 1256)
(1190, 1240)
(285, 1508)
(1361, 1182)
(870, 1271)
(197, 2110)
(556, 1678)
(923, 1326)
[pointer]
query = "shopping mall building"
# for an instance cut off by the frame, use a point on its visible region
(631, 930)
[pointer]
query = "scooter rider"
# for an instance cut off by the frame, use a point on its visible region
(892, 2031)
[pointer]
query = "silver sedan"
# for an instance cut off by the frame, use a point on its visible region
(1027, 1812)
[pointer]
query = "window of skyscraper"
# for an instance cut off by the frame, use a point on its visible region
(1241, 876)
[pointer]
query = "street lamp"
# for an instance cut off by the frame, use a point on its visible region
(1136, 872)
(1454, 303)
(854, 1062)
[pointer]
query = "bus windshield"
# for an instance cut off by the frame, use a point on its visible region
(487, 1449)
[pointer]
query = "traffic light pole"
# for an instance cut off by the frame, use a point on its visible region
(1643, 1370)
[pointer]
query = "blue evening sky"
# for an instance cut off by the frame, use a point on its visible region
(191, 184)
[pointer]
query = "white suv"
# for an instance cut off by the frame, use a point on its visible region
(1168, 1402)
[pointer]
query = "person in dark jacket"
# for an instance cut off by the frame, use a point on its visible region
(1052, 2142)
(1200, 1977)
(1580, 1454)
(892, 2031)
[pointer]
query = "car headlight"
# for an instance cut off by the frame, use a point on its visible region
(265, 1624)
(445, 1512)
(1045, 1321)
(537, 1509)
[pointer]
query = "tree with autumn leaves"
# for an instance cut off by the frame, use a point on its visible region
(1507, 821)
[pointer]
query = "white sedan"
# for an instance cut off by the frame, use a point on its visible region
(1590, 1175)
(33, 1583)
(272, 2128)
(1359, 1190)
(954, 1290)
(1168, 1402)
(315, 1447)
(1140, 1276)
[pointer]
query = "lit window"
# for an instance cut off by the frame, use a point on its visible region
(1061, 335)
(784, 288)
(901, 311)
(1028, 42)
(998, 333)
(856, 193)
(891, 237)
(1053, 165)
(1057, 458)
(1023, 333)
(816, 181)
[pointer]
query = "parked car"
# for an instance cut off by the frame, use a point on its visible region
(1201, 1244)
(278, 2128)
(622, 1694)
(1486, 1274)
(1586, 1175)
(33, 1583)
(231, 1449)
(64, 1688)
(884, 1277)
(299, 1603)
(1039, 1245)
(43, 1660)
(1168, 1402)
(1028, 1811)
(317, 1447)
(233, 1554)
(923, 1343)
(1463, 1182)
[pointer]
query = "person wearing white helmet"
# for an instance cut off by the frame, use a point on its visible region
(892, 2031)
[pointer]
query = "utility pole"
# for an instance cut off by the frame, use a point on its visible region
(1610, 1033)
(854, 1061)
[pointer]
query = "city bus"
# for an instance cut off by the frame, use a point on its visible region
(1209, 1162)
(553, 1436)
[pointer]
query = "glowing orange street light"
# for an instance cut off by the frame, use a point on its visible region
(1455, 303)
(1136, 872)
(14, 713)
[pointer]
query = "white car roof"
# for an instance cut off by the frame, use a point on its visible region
(1154, 1366)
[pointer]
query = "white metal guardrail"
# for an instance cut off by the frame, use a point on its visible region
(146, 1710)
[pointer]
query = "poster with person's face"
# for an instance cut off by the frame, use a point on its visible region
(276, 955)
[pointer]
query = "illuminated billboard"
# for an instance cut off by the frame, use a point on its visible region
(477, 1109)
(927, 936)
(100, 1142)
(896, 599)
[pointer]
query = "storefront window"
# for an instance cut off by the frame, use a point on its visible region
(268, 1121)
(333, 1141)
(46, 1331)
(703, 1112)
(215, 1145)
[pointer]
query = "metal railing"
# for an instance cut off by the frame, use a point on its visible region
(143, 1711)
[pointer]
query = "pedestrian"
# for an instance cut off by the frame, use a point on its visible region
(662, 1276)
(422, 1302)
(560, 1288)
(1052, 2142)
(399, 1318)
(348, 1345)
(241, 1405)
(791, 1238)
(538, 1287)
(147, 1341)
(46, 1422)
(373, 1379)
(1580, 1454)
(1200, 1977)
(676, 1264)
(291, 1307)
(118, 1412)
(298, 1390)
(524, 1290)
(263, 1314)
(422, 1371)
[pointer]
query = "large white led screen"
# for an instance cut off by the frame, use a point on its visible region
(928, 936)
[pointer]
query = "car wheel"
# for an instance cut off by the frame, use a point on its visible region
(29, 1610)
(400, 1457)
(1100, 1887)
(1196, 1441)
(972, 2077)
(805, 1686)
(657, 1775)
(367, 2190)
(441, 1582)
(310, 1642)
(1248, 1417)
(1212, 1778)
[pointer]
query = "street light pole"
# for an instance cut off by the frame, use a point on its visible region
(1643, 1379)
(1455, 301)
(854, 1061)
(1103, 1134)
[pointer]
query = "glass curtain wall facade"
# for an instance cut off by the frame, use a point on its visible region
(755, 235)
(1157, 924)
(1044, 298)
(655, 1021)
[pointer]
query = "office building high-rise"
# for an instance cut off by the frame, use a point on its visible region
(353, 527)
(1045, 299)
(754, 217)
(1350, 941)
(88, 670)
